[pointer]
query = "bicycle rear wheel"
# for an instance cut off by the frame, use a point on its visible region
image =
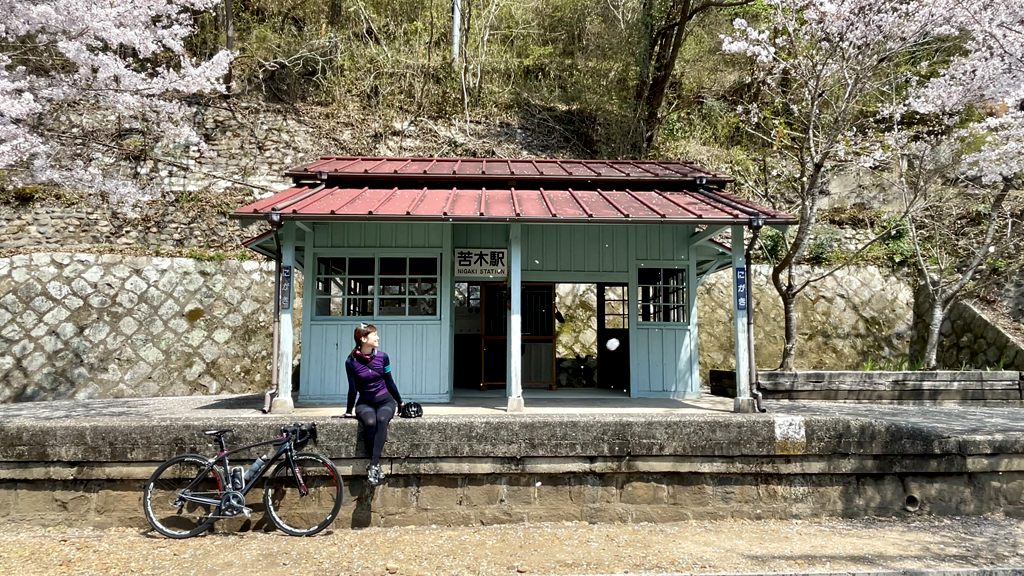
(300, 515)
(168, 496)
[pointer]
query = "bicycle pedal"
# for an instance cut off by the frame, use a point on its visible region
(247, 512)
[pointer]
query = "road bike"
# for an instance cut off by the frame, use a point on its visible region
(302, 495)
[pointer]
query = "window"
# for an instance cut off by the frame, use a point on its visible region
(392, 286)
(662, 294)
(616, 307)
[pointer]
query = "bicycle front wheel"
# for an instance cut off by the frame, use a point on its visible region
(183, 495)
(300, 515)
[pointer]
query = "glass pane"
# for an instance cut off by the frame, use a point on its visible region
(392, 267)
(330, 287)
(673, 277)
(675, 314)
(423, 306)
(474, 294)
(613, 293)
(392, 307)
(322, 307)
(392, 286)
(649, 294)
(360, 266)
(423, 286)
(360, 287)
(461, 294)
(673, 295)
(611, 308)
(648, 276)
(423, 266)
(330, 266)
(360, 307)
(614, 322)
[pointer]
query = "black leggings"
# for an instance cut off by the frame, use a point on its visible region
(375, 414)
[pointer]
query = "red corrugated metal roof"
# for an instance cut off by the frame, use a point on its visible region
(609, 191)
(432, 168)
(531, 204)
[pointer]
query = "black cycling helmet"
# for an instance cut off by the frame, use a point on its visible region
(411, 410)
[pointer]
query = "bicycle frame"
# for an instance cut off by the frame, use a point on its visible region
(285, 448)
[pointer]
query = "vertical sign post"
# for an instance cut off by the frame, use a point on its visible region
(286, 287)
(741, 288)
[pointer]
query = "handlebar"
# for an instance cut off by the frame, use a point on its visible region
(299, 434)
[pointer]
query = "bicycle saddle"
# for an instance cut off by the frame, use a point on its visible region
(216, 433)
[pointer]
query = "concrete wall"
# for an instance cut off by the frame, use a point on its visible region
(74, 470)
(110, 326)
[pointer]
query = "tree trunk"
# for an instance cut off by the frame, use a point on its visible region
(335, 14)
(789, 350)
(229, 37)
(931, 348)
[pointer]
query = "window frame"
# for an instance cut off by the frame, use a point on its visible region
(684, 267)
(377, 255)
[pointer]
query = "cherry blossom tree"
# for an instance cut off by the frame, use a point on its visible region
(969, 159)
(826, 80)
(125, 57)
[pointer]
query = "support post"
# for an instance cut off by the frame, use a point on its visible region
(743, 401)
(283, 403)
(515, 320)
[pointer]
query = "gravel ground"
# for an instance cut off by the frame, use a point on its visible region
(542, 548)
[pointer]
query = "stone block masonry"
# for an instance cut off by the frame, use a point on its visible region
(111, 326)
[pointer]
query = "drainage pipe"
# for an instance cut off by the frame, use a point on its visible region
(275, 223)
(756, 222)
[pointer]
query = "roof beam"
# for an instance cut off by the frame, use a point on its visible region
(706, 234)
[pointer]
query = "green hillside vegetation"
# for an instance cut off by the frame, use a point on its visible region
(571, 64)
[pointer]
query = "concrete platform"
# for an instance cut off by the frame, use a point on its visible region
(570, 456)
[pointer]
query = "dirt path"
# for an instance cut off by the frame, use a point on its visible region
(576, 548)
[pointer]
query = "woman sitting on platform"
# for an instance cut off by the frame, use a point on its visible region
(369, 376)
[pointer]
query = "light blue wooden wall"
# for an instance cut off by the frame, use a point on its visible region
(413, 347)
(569, 251)
(420, 351)
(378, 235)
(664, 357)
(480, 236)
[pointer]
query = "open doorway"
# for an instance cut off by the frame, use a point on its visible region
(593, 336)
(575, 336)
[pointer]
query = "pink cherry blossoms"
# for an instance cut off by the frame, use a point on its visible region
(124, 57)
(841, 46)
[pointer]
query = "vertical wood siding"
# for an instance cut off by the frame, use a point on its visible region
(378, 235)
(575, 248)
(419, 359)
(663, 356)
(480, 236)
(414, 350)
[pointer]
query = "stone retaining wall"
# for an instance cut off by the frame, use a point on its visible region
(474, 500)
(857, 315)
(111, 326)
(967, 339)
(175, 224)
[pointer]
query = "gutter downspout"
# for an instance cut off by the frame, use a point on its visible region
(274, 218)
(756, 223)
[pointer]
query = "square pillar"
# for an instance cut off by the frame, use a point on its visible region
(514, 377)
(283, 402)
(743, 401)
